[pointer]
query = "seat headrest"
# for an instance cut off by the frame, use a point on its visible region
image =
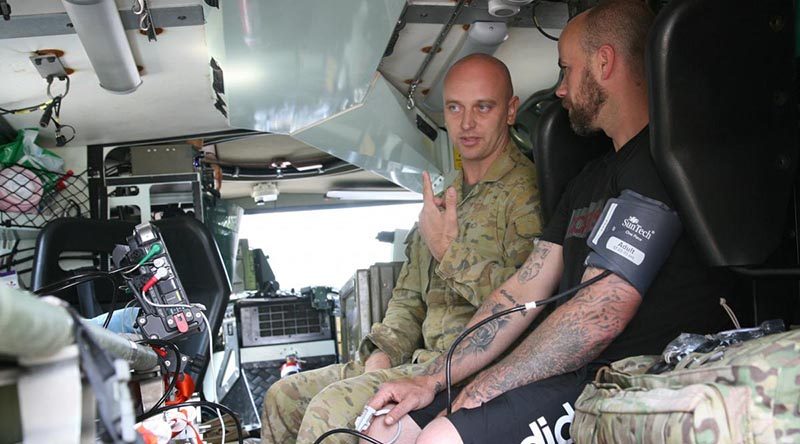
(723, 122)
(560, 154)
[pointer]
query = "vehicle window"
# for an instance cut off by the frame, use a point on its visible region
(325, 247)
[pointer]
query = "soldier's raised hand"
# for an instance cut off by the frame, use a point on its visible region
(438, 220)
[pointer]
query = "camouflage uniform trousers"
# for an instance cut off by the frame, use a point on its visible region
(308, 404)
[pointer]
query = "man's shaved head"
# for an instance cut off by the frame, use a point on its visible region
(623, 24)
(479, 105)
(498, 70)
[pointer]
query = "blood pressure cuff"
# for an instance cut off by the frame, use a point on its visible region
(633, 237)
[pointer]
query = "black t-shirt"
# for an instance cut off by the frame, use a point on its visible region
(684, 296)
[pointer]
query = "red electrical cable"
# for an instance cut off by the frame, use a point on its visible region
(152, 281)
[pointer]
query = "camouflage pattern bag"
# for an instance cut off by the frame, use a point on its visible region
(745, 393)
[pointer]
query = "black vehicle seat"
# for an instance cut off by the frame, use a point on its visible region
(560, 154)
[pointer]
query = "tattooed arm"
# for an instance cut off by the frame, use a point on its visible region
(535, 280)
(568, 339)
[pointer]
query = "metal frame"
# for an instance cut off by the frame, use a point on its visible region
(144, 200)
(550, 14)
(36, 25)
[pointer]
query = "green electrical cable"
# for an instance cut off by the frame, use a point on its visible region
(154, 250)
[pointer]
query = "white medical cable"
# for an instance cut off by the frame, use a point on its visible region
(222, 425)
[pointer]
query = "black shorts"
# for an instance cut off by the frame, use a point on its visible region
(542, 411)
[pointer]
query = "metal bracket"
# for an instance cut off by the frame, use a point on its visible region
(145, 19)
(410, 104)
(5, 10)
(48, 65)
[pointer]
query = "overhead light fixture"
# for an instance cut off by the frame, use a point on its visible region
(499, 8)
(265, 192)
(100, 30)
(308, 166)
(374, 195)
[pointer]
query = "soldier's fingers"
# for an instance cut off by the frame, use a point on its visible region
(450, 204)
(401, 409)
(382, 397)
(427, 188)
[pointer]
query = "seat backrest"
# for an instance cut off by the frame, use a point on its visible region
(723, 122)
(560, 154)
(199, 264)
(76, 235)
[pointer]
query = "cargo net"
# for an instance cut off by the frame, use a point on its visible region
(30, 197)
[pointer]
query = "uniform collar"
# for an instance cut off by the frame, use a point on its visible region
(504, 163)
(501, 166)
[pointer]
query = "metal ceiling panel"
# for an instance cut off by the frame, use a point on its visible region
(549, 14)
(59, 23)
(382, 136)
(289, 64)
(175, 96)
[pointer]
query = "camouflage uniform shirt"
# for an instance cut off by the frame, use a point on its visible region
(432, 301)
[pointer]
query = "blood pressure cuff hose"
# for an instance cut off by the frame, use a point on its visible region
(633, 237)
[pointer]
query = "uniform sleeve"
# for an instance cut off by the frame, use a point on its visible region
(474, 272)
(399, 334)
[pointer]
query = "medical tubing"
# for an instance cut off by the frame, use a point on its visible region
(349, 432)
(484, 321)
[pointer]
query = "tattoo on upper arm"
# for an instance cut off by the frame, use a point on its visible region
(533, 265)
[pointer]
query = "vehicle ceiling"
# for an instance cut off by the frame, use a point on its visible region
(176, 98)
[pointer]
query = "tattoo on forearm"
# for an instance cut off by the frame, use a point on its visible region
(566, 341)
(510, 298)
(480, 339)
(435, 367)
(438, 387)
(533, 265)
(477, 341)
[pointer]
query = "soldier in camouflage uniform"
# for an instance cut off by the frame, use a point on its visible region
(466, 243)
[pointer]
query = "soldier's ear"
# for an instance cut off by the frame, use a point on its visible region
(513, 105)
